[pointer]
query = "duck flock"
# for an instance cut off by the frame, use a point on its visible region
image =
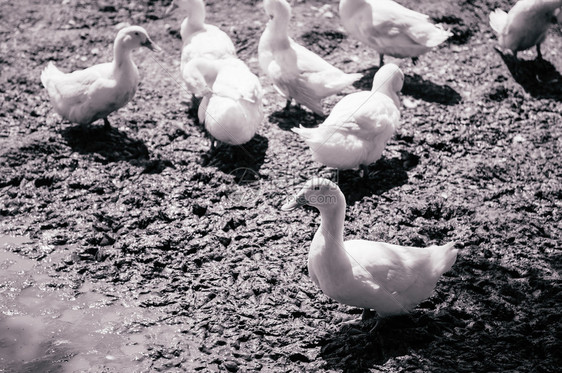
(386, 278)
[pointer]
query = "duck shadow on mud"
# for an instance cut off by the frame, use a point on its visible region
(452, 329)
(415, 86)
(385, 174)
(358, 349)
(538, 77)
(295, 116)
(107, 144)
(229, 158)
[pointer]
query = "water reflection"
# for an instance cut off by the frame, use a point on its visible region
(46, 326)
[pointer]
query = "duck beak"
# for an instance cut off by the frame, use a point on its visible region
(170, 9)
(150, 45)
(296, 201)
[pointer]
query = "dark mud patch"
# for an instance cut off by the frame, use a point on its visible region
(191, 249)
(322, 42)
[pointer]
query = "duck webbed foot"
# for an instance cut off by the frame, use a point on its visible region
(193, 109)
(539, 54)
(415, 60)
(366, 318)
(367, 315)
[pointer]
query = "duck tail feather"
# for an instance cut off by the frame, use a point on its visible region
(348, 79)
(439, 36)
(498, 18)
(48, 73)
(301, 131)
(443, 257)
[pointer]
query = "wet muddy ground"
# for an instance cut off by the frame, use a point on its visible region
(145, 251)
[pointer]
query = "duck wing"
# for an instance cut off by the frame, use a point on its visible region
(355, 132)
(295, 86)
(389, 20)
(211, 42)
(236, 81)
(319, 73)
(81, 96)
(395, 268)
(406, 275)
(363, 114)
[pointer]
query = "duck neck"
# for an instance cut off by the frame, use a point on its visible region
(349, 7)
(394, 96)
(121, 56)
(278, 29)
(386, 89)
(195, 17)
(331, 225)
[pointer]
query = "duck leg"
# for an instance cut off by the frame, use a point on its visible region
(415, 60)
(365, 171)
(288, 104)
(193, 108)
(106, 124)
(381, 60)
(539, 54)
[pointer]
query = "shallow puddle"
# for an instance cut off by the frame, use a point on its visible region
(48, 327)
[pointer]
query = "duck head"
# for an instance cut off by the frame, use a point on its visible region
(389, 75)
(185, 6)
(278, 9)
(317, 192)
(389, 80)
(133, 37)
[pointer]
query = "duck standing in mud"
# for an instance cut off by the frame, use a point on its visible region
(390, 279)
(85, 96)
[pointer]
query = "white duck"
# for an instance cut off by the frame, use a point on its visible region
(297, 73)
(200, 40)
(390, 28)
(360, 124)
(85, 96)
(232, 108)
(387, 278)
(525, 25)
